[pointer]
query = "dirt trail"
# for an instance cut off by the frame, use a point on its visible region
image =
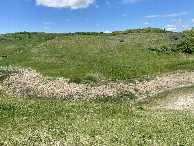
(28, 83)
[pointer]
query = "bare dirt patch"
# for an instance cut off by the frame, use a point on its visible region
(182, 102)
(174, 100)
(28, 83)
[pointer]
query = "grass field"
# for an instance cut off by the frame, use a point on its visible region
(38, 122)
(113, 63)
(112, 57)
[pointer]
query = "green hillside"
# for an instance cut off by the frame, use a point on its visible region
(134, 87)
(123, 56)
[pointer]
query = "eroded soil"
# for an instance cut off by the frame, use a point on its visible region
(28, 83)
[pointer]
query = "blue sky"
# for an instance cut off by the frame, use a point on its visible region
(94, 15)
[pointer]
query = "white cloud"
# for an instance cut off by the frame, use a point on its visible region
(170, 27)
(145, 23)
(153, 16)
(177, 14)
(108, 3)
(185, 26)
(168, 15)
(129, 1)
(73, 4)
(48, 23)
(46, 27)
(176, 20)
(107, 31)
(124, 15)
(192, 20)
(96, 6)
(97, 25)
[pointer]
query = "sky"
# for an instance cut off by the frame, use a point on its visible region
(64, 16)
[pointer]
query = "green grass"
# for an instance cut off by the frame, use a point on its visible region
(38, 122)
(78, 56)
(125, 97)
(105, 121)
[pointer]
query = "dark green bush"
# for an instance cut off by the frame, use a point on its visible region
(183, 42)
(115, 33)
(47, 38)
(187, 46)
(177, 36)
(76, 80)
(164, 48)
(86, 80)
(90, 78)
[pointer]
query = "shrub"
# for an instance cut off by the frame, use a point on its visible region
(47, 38)
(177, 36)
(5, 73)
(164, 48)
(181, 42)
(187, 46)
(115, 33)
(76, 80)
(25, 32)
(91, 78)
(190, 32)
(94, 33)
(85, 80)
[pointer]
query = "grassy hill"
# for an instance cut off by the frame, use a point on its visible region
(124, 56)
(150, 113)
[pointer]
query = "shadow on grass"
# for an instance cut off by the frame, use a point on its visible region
(122, 98)
(5, 73)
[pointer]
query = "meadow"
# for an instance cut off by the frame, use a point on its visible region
(122, 57)
(39, 70)
(48, 122)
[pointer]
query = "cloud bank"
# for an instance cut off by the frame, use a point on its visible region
(145, 23)
(107, 31)
(73, 4)
(170, 27)
(169, 15)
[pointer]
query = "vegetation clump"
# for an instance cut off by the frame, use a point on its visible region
(145, 30)
(4, 73)
(187, 46)
(181, 42)
(163, 48)
(47, 38)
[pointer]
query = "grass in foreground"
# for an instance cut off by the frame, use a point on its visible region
(37, 122)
